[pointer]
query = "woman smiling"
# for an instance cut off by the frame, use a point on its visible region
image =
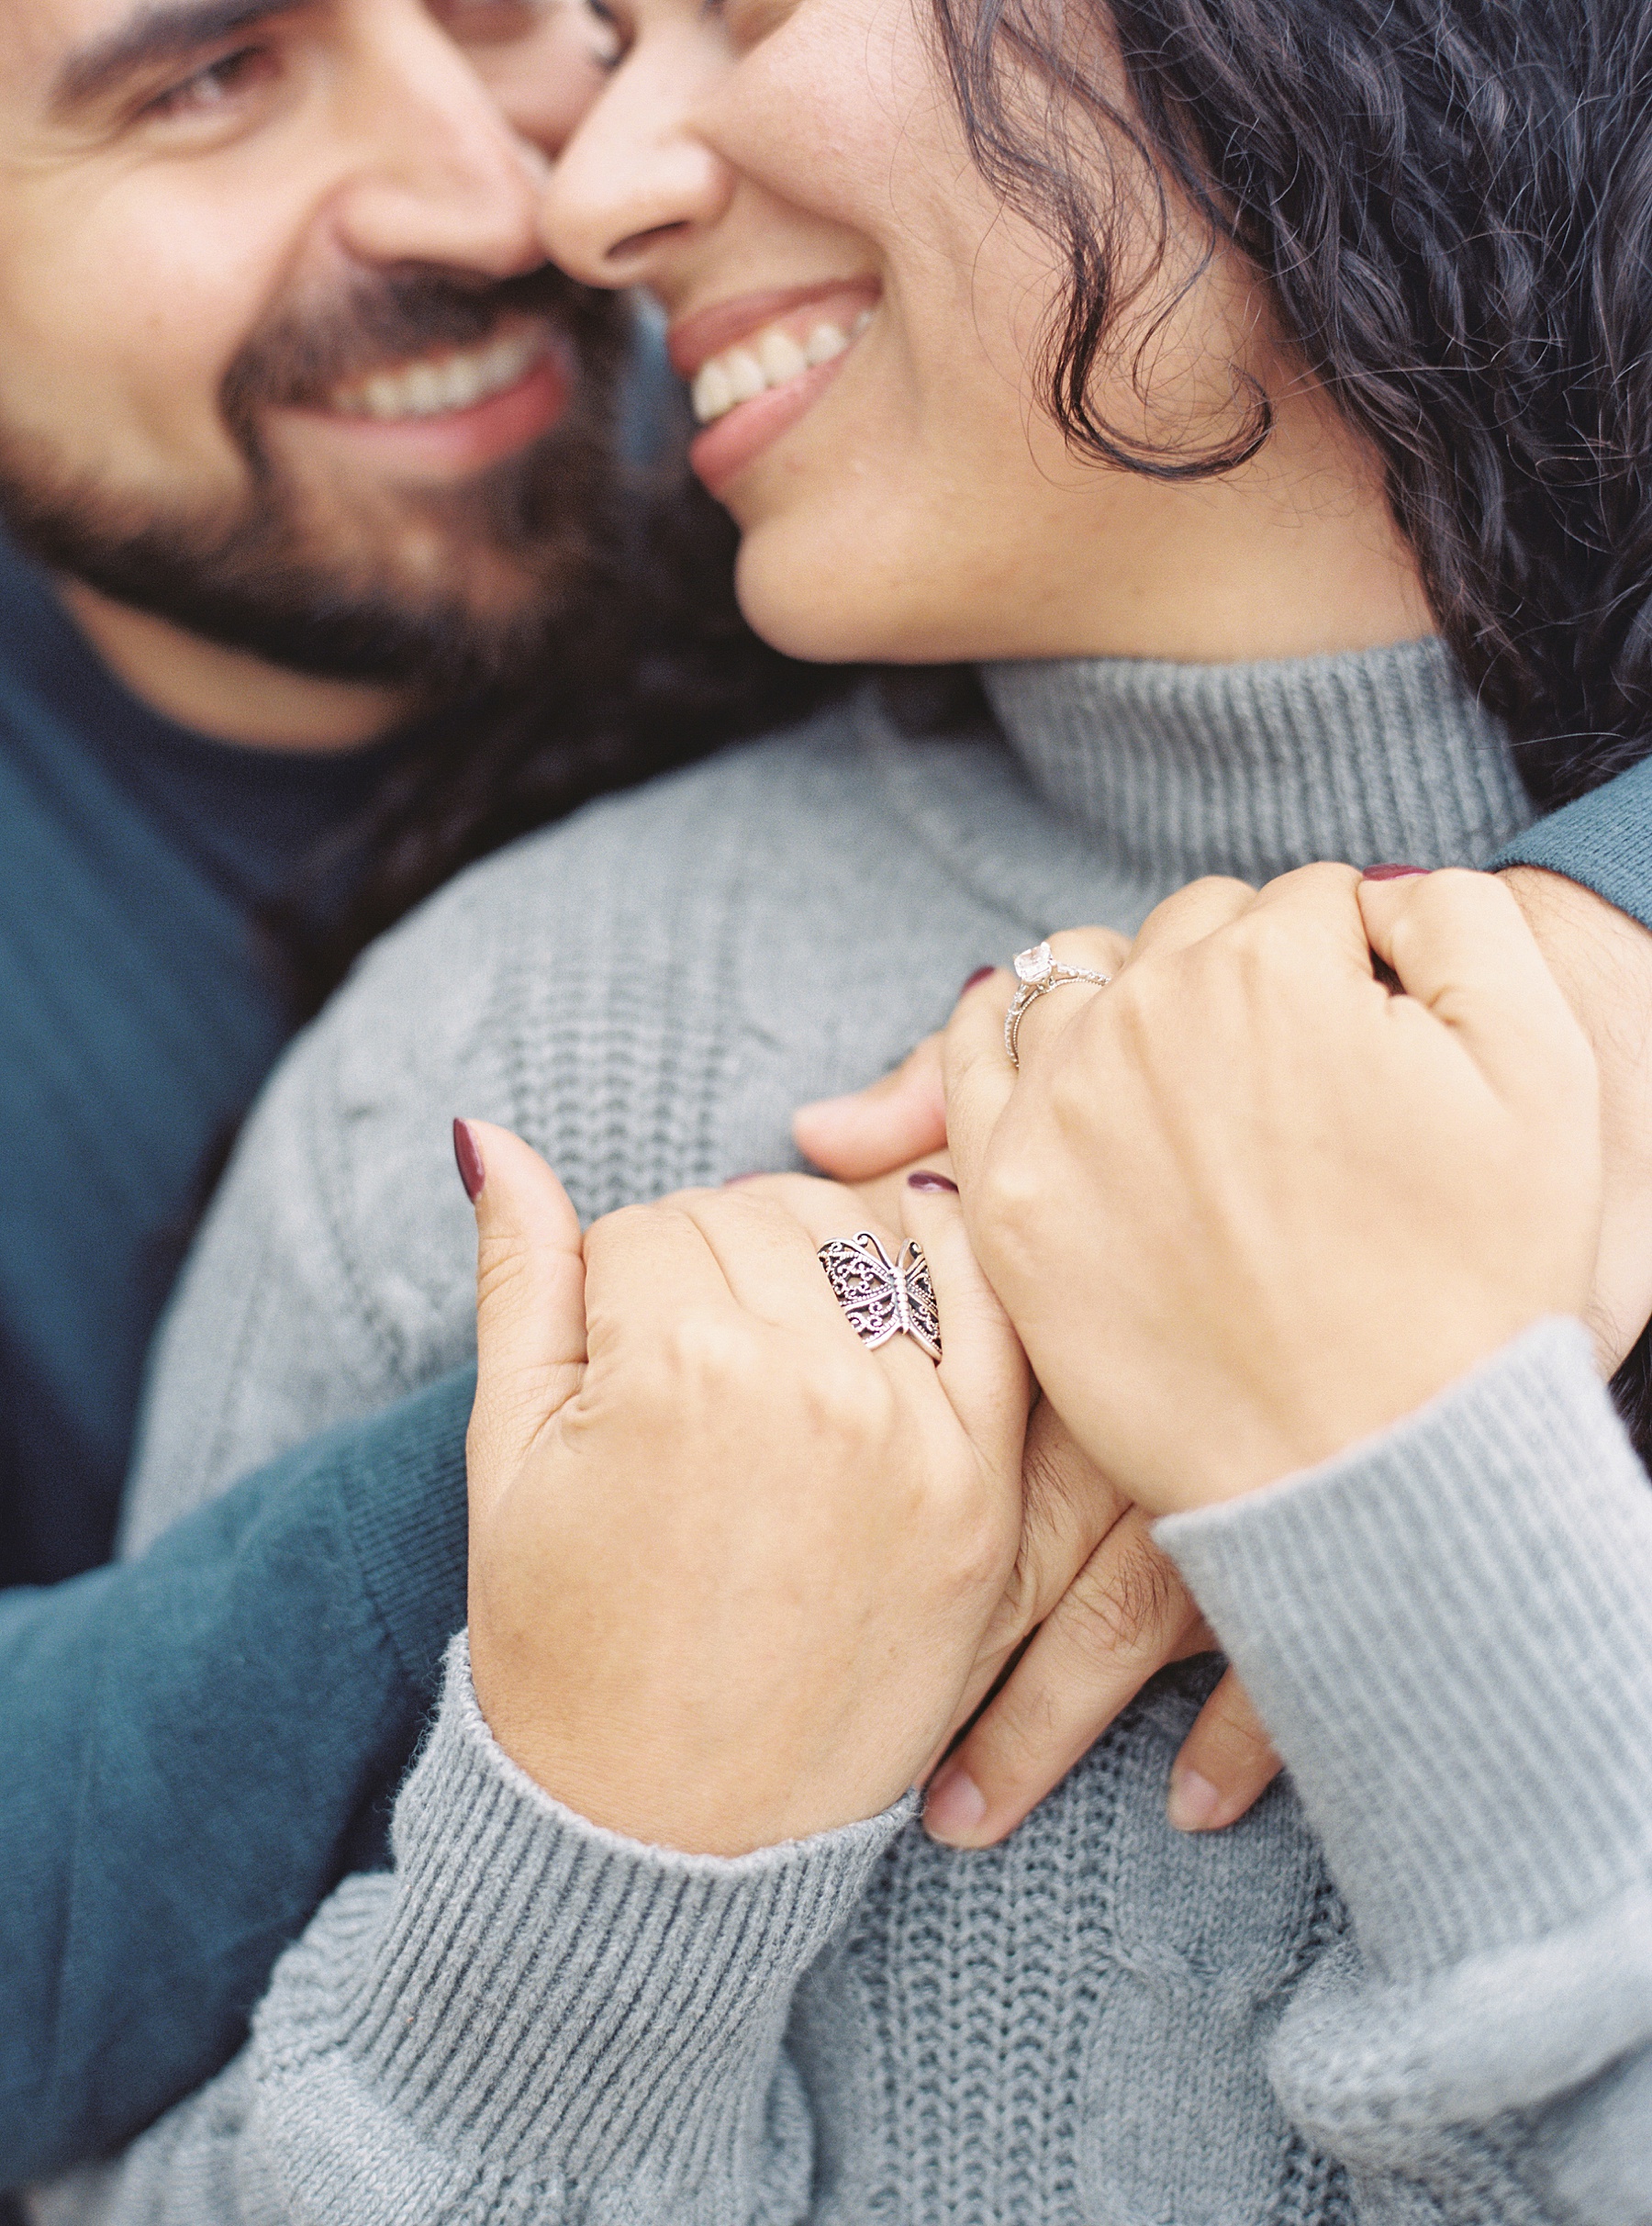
(1251, 393)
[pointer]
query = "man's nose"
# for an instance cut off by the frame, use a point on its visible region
(636, 183)
(440, 177)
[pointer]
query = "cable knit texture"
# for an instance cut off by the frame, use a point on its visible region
(1412, 1985)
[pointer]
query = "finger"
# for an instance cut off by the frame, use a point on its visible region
(1227, 1762)
(882, 1196)
(531, 1316)
(1119, 1621)
(983, 1369)
(1461, 946)
(1067, 1508)
(895, 1119)
(976, 1071)
(765, 1235)
(1190, 915)
(647, 1269)
(1099, 951)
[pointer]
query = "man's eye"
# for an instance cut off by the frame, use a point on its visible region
(208, 90)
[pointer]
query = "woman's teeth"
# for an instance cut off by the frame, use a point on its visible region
(742, 372)
(439, 383)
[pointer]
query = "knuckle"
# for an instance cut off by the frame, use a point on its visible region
(1097, 947)
(703, 1354)
(1264, 944)
(1008, 1200)
(1017, 1736)
(501, 1267)
(848, 1400)
(981, 1549)
(1232, 1734)
(1125, 1604)
(1064, 1494)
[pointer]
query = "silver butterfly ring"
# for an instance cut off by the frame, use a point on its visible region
(882, 1297)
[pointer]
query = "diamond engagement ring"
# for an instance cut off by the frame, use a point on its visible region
(1038, 971)
(882, 1297)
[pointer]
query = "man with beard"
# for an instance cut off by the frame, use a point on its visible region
(305, 462)
(307, 596)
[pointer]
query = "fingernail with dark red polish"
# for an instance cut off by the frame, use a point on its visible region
(980, 974)
(1392, 873)
(472, 1172)
(931, 1179)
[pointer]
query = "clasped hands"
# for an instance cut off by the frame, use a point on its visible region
(735, 1579)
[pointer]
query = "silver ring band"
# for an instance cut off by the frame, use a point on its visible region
(883, 1298)
(1038, 971)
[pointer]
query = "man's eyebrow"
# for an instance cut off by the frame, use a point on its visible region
(153, 36)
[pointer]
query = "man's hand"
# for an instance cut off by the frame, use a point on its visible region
(1602, 960)
(1098, 1608)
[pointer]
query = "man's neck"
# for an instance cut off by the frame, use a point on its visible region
(228, 694)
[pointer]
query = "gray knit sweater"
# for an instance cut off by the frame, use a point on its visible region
(1414, 1985)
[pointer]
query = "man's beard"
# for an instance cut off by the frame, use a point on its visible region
(504, 561)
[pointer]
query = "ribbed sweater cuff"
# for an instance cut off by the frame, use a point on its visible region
(1448, 1631)
(559, 2000)
(1604, 841)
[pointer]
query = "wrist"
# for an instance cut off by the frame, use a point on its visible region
(683, 1773)
(1255, 1440)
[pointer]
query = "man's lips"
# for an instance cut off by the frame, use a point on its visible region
(446, 379)
(450, 414)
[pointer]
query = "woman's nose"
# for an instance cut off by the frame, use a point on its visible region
(636, 181)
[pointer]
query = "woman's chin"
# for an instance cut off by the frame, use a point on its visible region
(815, 604)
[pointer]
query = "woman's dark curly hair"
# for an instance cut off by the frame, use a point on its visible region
(1451, 201)
(1451, 204)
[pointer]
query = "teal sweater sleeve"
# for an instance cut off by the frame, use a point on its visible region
(198, 1744)
(1603, 842)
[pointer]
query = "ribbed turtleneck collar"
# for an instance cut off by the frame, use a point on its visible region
(1178, 770)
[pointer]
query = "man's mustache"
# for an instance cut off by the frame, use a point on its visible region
(297, 360)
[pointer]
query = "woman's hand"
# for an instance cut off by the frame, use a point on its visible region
(1245, 1206)
(729, 1570)
(1103, 1607)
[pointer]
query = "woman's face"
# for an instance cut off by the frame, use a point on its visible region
(860, 317)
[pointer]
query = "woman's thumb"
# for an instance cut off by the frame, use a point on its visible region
(530, 1320)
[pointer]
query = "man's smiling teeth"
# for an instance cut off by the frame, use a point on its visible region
(742, 372)
(441, 382)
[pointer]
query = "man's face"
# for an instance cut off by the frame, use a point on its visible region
(279, 356)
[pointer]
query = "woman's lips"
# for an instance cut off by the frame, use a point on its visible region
(759, 363)
(722, 451)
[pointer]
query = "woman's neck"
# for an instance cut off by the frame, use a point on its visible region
(1294, 554)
